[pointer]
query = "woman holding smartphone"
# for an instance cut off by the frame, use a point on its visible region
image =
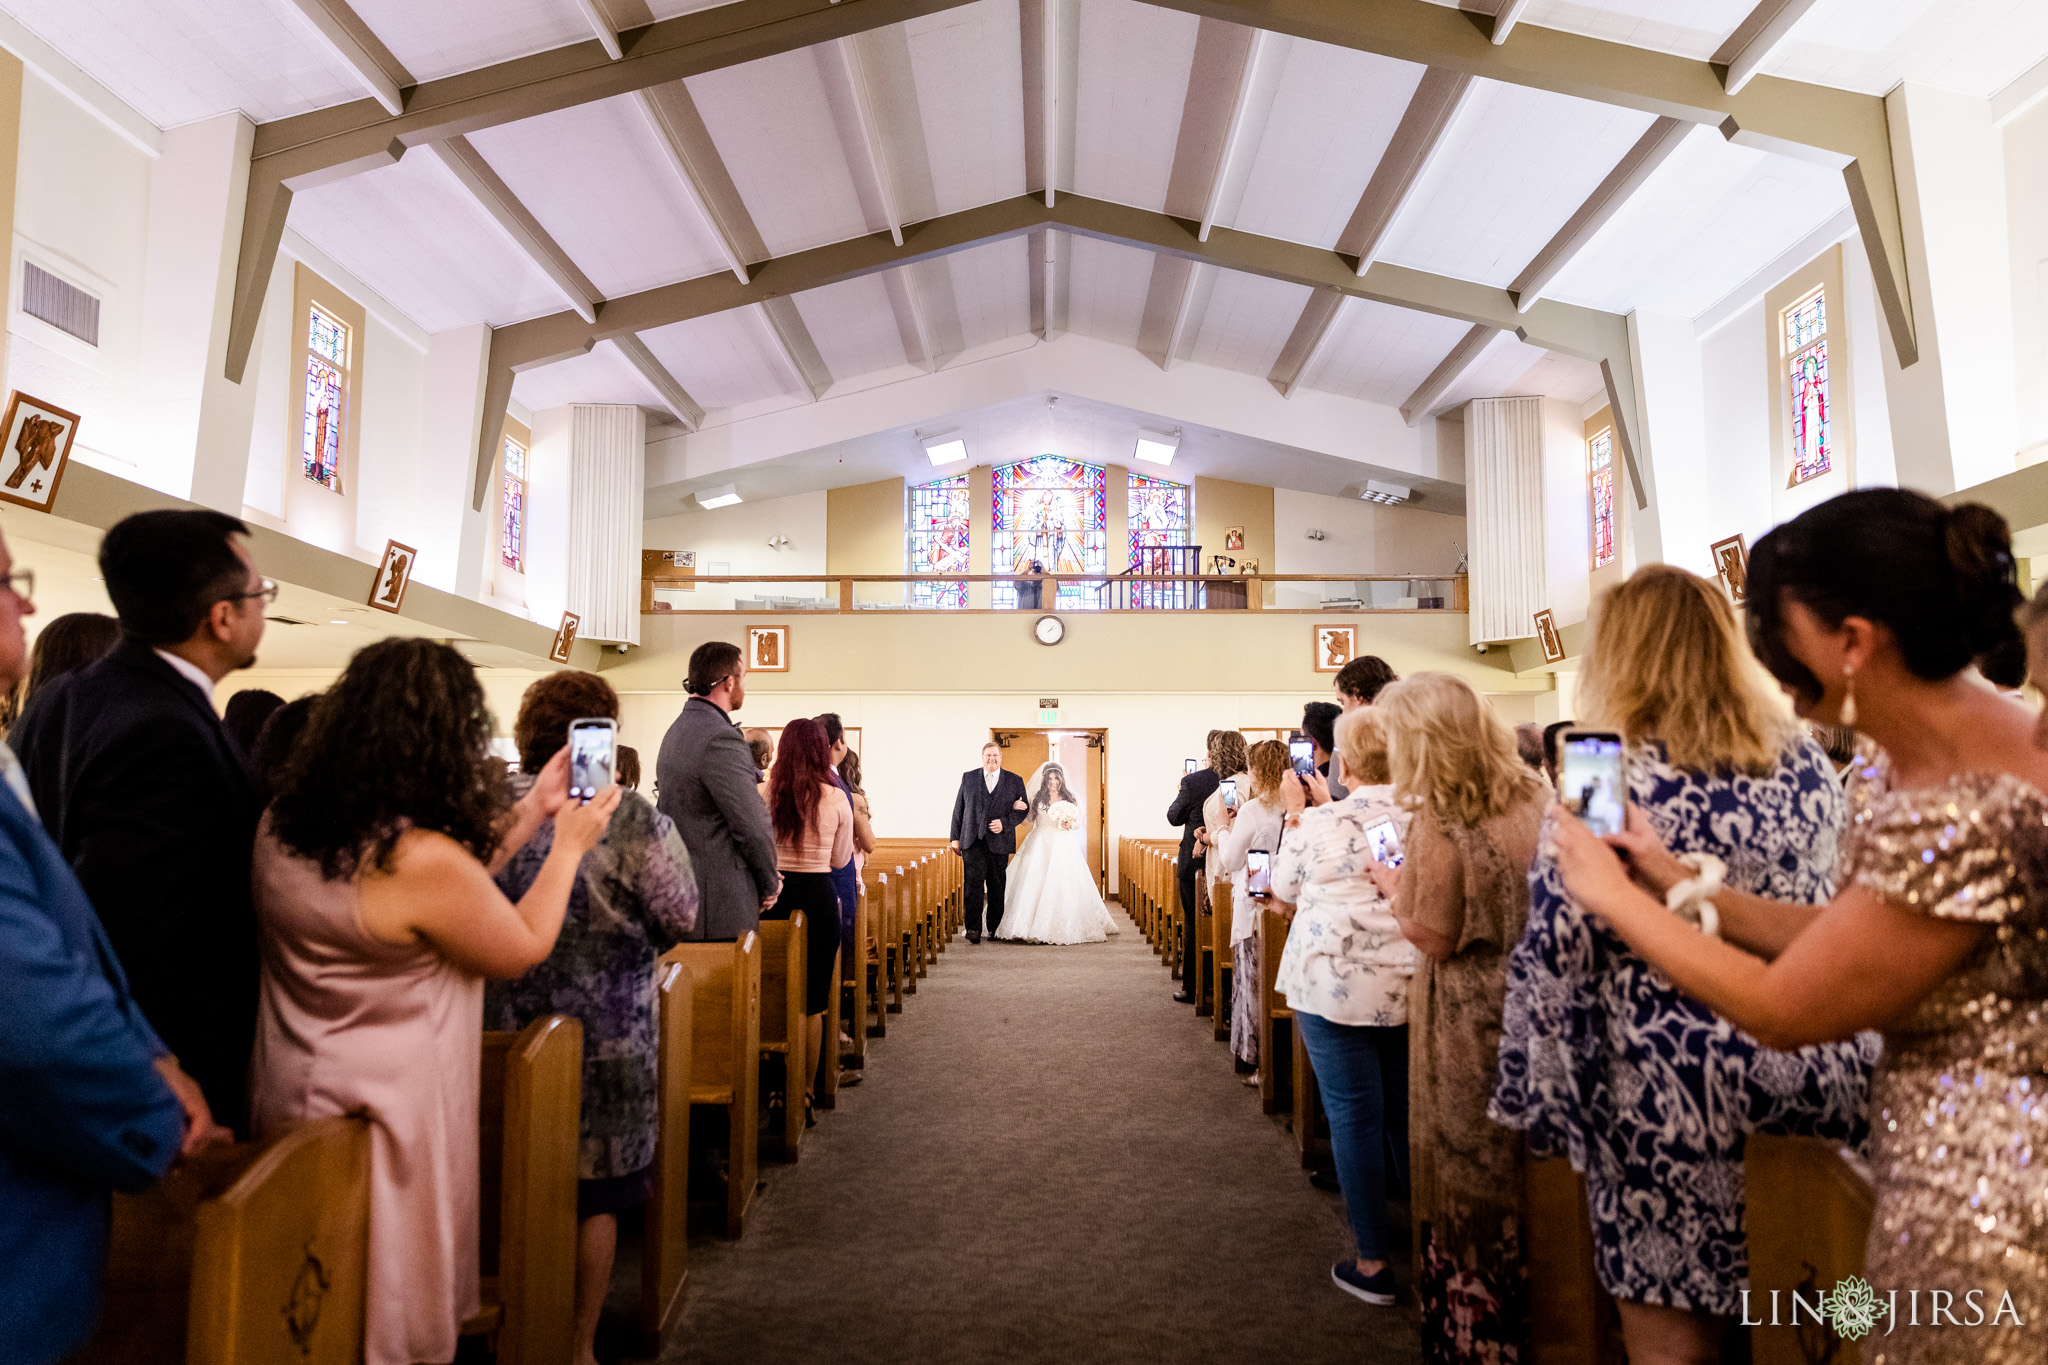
(1253, 824)
(1602, 1060)
(1345, 972)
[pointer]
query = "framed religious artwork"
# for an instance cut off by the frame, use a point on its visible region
(394, 575)
(565, 637)
(1731, 566)
(35, 445)
(1547, 636)
(1335, 647)
(767, 649)
(1233, 539)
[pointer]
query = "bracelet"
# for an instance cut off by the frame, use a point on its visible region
(1695, 894)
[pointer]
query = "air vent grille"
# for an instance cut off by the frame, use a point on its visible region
(64, 306)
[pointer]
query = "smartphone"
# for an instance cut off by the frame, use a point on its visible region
(593, 756)
(1191, 766)
(1384, 841)
(1258, 874)
(1303, 754)
(1589, 779)
(1229, 790)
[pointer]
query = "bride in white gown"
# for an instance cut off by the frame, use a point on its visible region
(1052, 896)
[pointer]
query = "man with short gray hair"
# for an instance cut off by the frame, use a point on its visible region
(985, 835)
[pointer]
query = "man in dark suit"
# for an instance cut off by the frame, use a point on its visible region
(1186, 811)
(146, 794)
(985, 835)
(709, 786)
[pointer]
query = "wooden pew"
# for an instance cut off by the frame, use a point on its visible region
(529, 1134)
(783, 960)
(1808, 1218)
(1276, 1021)
(1222, 958)
(725, 1053)
(1205, 946)
(825, 1081)
(244, 1254)
(1310, 1144)
(664, 1254)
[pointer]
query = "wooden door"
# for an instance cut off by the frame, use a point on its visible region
(1023, 751)
(1096, 787)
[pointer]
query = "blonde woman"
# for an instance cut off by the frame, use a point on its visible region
(1462, 898)
(1255, 824)
(1345, 972)
(1602, 1060)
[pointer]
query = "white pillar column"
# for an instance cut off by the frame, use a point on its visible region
(1671, 448)
(1504, 516)
(607, 492)
(452, 549)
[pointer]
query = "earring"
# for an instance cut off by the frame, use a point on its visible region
(1848, 720)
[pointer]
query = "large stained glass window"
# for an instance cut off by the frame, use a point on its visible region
(326, 383)
(512, 527)
(938, 540)
(1806, 362)
(1600, 474)
(1159, 512)
(1054, 511)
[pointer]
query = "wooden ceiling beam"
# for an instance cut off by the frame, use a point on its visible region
(1630, 174)
(519, 225)
(1447, 373)
(1416, 141)
(674, 396)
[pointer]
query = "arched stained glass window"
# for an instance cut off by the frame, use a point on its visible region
(1055, 511)
(938, 540)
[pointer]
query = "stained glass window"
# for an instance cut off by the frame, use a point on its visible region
(512, 526)
(938, 540)
(1055, 511)
(1159, 512)
(1806, 361)
(326, 382)
(1600, 471)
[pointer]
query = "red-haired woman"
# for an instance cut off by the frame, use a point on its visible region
(813, 834)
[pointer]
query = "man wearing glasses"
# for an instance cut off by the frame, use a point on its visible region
(148, 797)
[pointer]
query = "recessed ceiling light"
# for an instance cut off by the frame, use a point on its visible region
(725, 495)
(947, 447)
(1391, 494)
(1157, 447)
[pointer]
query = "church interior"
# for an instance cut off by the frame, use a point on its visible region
(1086, 377)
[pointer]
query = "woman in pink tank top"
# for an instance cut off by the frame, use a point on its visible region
(379, 923)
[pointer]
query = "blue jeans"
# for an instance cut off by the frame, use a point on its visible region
(1362, 1071)
(846, 886)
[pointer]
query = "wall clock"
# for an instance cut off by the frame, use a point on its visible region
(1050, 630)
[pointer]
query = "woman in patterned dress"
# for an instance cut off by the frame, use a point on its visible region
(634, 899)
(1462, 898)
(1254, 824)
(1870, 609)
(1648, 1093)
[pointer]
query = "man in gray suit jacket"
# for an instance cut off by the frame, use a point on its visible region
(709, 788)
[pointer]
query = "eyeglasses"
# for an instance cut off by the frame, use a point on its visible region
(268, 592)
(22, 583)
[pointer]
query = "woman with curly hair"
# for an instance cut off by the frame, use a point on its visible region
(813, 823)
(379, 921)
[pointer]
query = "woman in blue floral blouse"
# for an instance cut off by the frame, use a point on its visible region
(635, 898)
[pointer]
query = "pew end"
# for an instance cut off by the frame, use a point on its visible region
(725, 1070)
(664, 1254)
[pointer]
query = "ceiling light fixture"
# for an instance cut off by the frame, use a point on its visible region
(1157, 447)
(947, 447)
(1389, 494)
(725, 495)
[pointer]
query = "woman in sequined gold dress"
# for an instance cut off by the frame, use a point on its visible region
(1870, 609)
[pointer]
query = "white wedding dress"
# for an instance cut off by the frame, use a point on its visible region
(1052, 897)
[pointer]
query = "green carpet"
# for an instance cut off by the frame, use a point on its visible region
(1049, 1161)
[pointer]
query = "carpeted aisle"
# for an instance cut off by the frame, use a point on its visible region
(1050, 1161)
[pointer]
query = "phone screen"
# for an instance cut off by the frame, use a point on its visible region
(1229, 790)
(1384, 841)
(1589, 779)
(1258, 873)
(1303, 754)
(1191, 766)
(593, 746)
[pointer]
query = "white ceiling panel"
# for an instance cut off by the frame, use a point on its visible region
(1331, 118)
(1510, 367)
(775, 128)
(970, 73)
(1104, 285)
(723, 360)
(1245, 320)
(1133, 78)
(1712, 216)
(1381, 353)
(853, 325)
(1515, 166)
(178, 61)
(413, 234)
(992, 290)
(1972, 46)
(435, 38)
(1689, 28)
(600, 376)
(602, 186)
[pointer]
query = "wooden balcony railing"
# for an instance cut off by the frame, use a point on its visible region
(663, 594)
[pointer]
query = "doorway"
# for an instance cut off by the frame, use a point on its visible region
(1084, 754)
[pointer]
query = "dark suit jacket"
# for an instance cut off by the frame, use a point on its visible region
(709, 788)
(1186, 810)
(82, 1108)
(147, 796)
(976, 805)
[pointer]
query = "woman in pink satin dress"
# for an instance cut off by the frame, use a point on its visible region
(379, 923)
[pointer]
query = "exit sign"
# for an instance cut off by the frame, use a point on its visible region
(1048, 718)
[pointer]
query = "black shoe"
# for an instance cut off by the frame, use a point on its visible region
(1325, 1181)
(1375, 1289)
(1183, 998)
(973, 936)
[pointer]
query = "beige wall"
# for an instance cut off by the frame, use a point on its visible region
(864, 528)
(1220, 504)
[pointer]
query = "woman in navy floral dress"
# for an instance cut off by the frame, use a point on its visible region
(1647, 1091)
(635, 898)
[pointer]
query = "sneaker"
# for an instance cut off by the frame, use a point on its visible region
(1375, 1289)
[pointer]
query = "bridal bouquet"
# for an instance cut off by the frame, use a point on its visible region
(1063, 815)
